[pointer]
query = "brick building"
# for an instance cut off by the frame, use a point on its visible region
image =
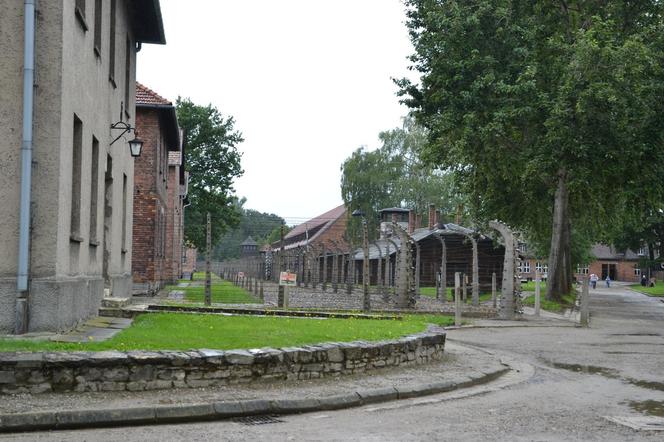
(619, 266)
(177, 200)
(156, 205)
(328, 229)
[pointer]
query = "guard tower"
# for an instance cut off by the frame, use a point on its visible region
(249, 247)
(393, 214)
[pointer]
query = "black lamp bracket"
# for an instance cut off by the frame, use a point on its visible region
(124, 127)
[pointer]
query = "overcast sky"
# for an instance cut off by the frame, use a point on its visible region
(307, 81)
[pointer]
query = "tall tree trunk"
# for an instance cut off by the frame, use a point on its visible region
(559, 280)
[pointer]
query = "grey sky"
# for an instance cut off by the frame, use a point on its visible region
(308, 82)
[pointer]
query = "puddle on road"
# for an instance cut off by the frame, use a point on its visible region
(650, 408)
(650, 385)
(590, 369)
(635, 334)
(611, 374)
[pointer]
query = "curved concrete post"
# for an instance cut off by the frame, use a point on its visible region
(301, 266)
(506, 310)
(392, 273)
(349, 265)
(324, 282)
(442, 291)
(404, 295)
(476, 272)
(379, 276)
(417, 269)
(335, 266)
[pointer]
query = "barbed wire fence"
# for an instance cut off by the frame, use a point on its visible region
(420, 275)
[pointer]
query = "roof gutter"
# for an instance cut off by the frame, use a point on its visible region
(26, 170)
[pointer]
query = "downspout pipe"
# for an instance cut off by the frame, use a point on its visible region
(26, 167)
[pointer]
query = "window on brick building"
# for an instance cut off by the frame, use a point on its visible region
(541, 267)
(582, 270)
(637, 271)
(526, 266)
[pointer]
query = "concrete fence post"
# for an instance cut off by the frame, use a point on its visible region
(585, 303)
(493, 289)
(538, 293)
(457, 299)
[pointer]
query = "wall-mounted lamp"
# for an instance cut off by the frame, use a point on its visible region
(135, 145)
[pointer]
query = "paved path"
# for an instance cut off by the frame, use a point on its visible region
(94, 330)
(580, 378)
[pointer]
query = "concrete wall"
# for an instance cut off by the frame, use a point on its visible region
(66, 273)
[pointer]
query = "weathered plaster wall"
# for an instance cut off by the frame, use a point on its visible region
(66, 275)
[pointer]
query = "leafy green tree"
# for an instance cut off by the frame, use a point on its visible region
(213, 162)
(275, 234)
(252, 223)
(549, 112)
(394, 176)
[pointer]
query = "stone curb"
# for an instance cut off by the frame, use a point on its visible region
(78, 419)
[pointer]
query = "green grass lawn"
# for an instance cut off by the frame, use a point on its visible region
(223, 292)
(530, 286)
(552, 306)
(658, 290)
(170, 331)
(430, 292)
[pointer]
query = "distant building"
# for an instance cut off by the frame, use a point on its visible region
(327, 229)
(157, 124)
(248, 248)
(79, 230)
(619, 266)
(177, 201)
(459, 251)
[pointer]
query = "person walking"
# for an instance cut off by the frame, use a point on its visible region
(608, 281)
(593, 281)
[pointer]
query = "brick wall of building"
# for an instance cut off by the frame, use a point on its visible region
(174, 227)
(335, 233)
(150, 204)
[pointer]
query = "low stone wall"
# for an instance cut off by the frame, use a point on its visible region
(143, 370)
(308, 298)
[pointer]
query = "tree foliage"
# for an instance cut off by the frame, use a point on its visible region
(549, 112)
(394, 176)
(213, 162)
(260, 226)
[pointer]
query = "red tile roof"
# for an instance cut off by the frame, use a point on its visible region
(145, 95)
(326, 218)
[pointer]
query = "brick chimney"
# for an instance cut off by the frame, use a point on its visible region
(432, 216)
(411, 222)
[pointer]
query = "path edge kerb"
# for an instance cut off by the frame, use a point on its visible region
(212, 411)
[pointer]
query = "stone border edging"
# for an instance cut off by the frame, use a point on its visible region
(266, 312)
(42, 372)
(77, 419)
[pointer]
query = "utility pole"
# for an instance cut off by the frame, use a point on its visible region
(282, 290)
(365, 271)
(208, 258)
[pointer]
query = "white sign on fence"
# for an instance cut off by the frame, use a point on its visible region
(288, 279)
